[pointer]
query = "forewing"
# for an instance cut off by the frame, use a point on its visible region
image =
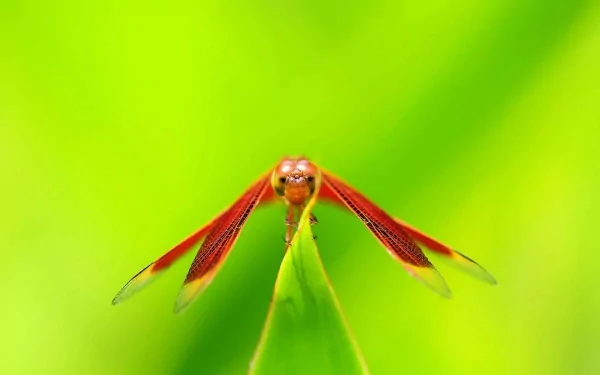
(389, 233)
(218, 242)
(456, 259)
(149, 273)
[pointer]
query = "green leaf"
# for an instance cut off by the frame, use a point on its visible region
(305, 332)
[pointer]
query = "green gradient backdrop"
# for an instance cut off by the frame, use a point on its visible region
(124, 125)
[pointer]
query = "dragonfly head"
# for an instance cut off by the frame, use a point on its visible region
(296, 180)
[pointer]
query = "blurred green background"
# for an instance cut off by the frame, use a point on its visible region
(125, 125)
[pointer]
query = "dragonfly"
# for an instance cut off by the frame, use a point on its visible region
(295, 181)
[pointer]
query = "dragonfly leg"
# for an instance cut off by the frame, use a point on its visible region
(290, 224)
(287, 243)
(289, 218)
(313, 218)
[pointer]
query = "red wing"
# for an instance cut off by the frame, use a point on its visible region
(391, 234)
(149, 273)
(457, 259)
(220, 240)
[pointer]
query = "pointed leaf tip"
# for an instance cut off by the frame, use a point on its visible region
(305, 331)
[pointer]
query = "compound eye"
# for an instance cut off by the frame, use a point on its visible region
(278, 183)
(314, 181)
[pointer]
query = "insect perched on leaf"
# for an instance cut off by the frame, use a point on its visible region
(295, 181)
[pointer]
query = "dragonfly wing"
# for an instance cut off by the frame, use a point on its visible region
(149, 273)
(327, 194)
(218, 243)
(457, 259)
(389, 233)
